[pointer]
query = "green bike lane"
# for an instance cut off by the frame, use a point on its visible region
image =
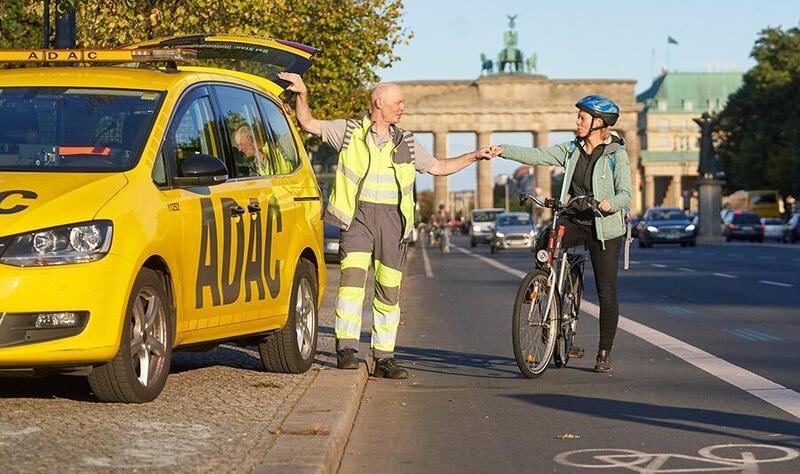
(465, 407)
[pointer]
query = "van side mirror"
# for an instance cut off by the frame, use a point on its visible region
(201, 170)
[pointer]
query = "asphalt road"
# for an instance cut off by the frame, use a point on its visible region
(730, 309)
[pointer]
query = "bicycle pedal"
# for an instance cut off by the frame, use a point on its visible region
(576, 353)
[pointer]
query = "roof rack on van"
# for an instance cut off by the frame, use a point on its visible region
(170, 55)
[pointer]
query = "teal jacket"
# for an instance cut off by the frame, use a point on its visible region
(611, 178)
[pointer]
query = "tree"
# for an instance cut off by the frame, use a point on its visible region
(425, 205)
(760, 126)
(354, 37)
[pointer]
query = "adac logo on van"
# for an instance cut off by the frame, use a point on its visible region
(256, 263)
(9, 197)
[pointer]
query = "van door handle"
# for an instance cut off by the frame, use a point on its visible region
(236, 211)
(253, 207)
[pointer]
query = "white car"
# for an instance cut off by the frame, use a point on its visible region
(773, 228)
(481, 225)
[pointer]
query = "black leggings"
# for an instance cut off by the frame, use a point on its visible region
(605, 264)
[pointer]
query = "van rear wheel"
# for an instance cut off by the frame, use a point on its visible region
(292, 349)
(138, 372)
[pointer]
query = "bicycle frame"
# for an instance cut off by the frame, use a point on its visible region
(557, 260)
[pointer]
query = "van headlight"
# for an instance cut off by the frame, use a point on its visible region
(476, 228)
(74, 243)
(652, 228)
(690, 228)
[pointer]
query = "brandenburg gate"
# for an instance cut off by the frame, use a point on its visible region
(512, 102)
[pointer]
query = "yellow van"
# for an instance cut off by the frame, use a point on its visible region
(158, 202)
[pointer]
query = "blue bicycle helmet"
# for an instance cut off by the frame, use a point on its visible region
(599, 106)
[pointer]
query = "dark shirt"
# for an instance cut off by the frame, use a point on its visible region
(581, 184)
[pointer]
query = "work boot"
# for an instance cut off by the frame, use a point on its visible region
(346, 359)
(388, 368)
(603, 364)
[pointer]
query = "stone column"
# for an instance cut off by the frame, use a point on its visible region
(544, 180)
(710, 194)
(484, 182)
(677, 188)
(649, 190)
(440, 183)
(632, 146)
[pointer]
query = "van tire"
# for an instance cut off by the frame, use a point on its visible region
(292, 348)
(117, 381)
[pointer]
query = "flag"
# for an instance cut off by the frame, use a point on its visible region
(671, 40)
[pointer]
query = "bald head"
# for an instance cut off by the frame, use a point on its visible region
(387, 102)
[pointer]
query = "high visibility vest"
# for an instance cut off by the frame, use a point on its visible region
(354, 163)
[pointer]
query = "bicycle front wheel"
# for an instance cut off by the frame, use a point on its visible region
(533, 331)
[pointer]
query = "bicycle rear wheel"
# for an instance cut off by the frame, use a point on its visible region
(569, 317)
(534, 332)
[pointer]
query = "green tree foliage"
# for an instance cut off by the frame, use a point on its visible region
(760, 126)
(355, 37)
(426, 207)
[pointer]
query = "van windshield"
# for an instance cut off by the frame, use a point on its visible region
(62, 129)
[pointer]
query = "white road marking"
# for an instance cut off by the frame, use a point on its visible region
(771, 392)
(775, 283)
(767, 258)
(427, 262)
(635, 262)
(687, 270)
(658, 265)
(724, 275)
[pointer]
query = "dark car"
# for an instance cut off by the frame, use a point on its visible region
(743, 226)
(332, 236)
(666, 225)
(792, 229)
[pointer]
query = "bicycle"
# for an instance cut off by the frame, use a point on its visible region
(548, 301)
(439, 237)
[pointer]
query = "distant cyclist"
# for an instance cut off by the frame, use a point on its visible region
(595, 163)
(442, 222)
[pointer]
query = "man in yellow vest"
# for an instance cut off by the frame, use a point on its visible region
(372, 201)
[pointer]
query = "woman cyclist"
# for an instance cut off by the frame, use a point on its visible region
(595, 163)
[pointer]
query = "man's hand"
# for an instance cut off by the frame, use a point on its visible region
(484, 153)
(604, 205)
(496, 150)
(296, 83)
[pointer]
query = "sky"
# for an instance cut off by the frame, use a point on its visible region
(612, 39)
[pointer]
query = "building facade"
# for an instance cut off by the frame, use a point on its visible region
(670, 138)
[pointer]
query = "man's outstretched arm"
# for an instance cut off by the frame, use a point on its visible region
(448, 166)
(304, 115)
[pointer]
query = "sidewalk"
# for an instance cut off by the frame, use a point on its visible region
(312, 437)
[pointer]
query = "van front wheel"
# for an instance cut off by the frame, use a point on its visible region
(138, 372)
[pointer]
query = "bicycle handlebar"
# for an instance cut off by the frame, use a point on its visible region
(553, 203)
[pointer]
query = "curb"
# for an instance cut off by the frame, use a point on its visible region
(313, 436)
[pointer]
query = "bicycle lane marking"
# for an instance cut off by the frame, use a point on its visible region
(771, 392)
(706, 461)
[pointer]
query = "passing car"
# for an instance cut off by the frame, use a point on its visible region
(792, 230)
(482, 225)
(512, 230)
(743, 226)
(333, 235)
(135, 221)
(773, 228)
(666, 225)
